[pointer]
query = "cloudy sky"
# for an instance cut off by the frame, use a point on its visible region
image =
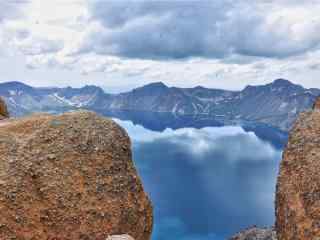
(121, 44)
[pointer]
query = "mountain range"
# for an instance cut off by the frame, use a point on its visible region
(276, 104)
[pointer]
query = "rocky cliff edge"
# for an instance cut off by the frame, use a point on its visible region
(298, 187)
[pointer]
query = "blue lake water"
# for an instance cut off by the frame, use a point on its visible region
(207, 181)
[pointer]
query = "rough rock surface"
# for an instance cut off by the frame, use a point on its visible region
(298, 187)
(3, 109)
(69, 177)
(256, 234)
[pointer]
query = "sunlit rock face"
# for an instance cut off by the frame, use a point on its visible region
(298, 188)
(3, 109)
(69, 177)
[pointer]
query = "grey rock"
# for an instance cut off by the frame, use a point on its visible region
(256, 234)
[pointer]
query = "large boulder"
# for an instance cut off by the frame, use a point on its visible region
(256, 234)
(3, 109)
(298, 187)
(69, 177)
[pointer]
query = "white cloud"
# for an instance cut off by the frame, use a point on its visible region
(32, 46)
(223, 44)
(158, 30)
(202, 142)
(11, 10)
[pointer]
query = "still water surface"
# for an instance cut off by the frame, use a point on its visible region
(206, 182)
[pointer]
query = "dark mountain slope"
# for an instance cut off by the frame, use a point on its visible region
(276, 104)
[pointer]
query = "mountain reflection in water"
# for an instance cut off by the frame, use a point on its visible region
(206, 181)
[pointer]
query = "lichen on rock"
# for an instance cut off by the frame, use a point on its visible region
(69, 177)
(298, 187)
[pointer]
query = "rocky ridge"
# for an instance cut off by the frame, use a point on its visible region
(277, 104)
(69, 177)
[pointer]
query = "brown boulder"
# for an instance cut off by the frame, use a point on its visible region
(298, 187)
(3, 109)
(69, 177)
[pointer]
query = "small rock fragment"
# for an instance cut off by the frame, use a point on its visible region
(256, 234)
(120, 237)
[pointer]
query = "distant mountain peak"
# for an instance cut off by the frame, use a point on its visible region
(285, 84)
(200, 87)
(16, 84)
(278, 83)
(276, 103)
(153, 87)
(156, 85)
(91, 88)
(282, 82)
